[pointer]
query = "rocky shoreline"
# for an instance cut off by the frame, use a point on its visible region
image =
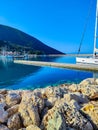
(73, 107)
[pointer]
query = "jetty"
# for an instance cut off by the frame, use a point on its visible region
(87, 67)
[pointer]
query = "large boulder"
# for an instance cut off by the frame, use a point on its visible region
(56, 92)
(12, 110)
(14, 122)
(91, 111)
(56, 122)
(68, 114)
(88, 87)
(13, 99)
(2, 98)
(3, 113)
(3, 91)
(29, 110)
(78, 97)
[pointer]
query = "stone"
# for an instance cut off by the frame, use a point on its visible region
(14, 122)
(39, 102)
(3, 91)
(33, 127)
(96, 81)
(87, 87)
(44, 112)
(33, 112)
(56, 122)
(3, 105)
(2, 98)
(72, 117)
(12, 110)
(73, 88)
(88, 81)
(78, 97)
(13, 99)
(24, 114)
(3, 127)
(91, 111)
(50, 102)
(29, 110)
(56, 92)
(3, 113)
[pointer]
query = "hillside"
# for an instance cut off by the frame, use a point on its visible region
(17, 40)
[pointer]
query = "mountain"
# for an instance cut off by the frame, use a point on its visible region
(17, 40)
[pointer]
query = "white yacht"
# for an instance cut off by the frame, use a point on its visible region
(94, 59)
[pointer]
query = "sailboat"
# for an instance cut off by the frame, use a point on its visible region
(94, 59)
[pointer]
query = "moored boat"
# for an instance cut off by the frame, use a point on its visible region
(94, 59)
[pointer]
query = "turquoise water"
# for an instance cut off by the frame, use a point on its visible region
(16, 76)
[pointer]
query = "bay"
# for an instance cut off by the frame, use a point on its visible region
(16, 76)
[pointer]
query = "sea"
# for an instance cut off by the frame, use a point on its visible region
(18, 76)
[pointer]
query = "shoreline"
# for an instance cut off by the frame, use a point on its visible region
(73, 107)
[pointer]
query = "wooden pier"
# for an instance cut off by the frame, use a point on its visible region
(87, 67)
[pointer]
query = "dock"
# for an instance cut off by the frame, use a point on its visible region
(87, 67)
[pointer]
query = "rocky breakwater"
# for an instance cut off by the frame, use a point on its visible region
(73, 107)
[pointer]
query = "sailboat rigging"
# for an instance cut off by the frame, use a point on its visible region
(94, 59)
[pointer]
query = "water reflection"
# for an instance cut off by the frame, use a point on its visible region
(51, 76)
(6, 60)
(16, 76)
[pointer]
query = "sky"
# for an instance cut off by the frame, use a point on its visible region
(57, 23)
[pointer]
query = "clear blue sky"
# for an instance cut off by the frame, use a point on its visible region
(57, 23)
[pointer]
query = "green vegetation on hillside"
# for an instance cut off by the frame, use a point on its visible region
(19, 41)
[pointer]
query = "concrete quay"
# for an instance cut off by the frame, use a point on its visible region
(87, 67)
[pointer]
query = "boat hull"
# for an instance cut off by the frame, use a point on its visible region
(87, 60)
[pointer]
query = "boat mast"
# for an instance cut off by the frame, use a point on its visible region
(95, 35)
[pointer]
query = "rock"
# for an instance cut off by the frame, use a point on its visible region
(78, 97)
(33, 127)
(13, 99)
(13, 110)
(3, 113)
(89, 81)
(3, 105)
(56, 122)
(3, 127)
(29, 110)
(91, 111)
(87, 87)
(24, 114)
(33, 112)
(3, 91)
(2, 98)
(56, 92)
(96, 81)
(39, 102)
(91, 91)
(14, 122)
(50, 102)
(44, 111)
(74, 88)
(71, 116)
(74, 104)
